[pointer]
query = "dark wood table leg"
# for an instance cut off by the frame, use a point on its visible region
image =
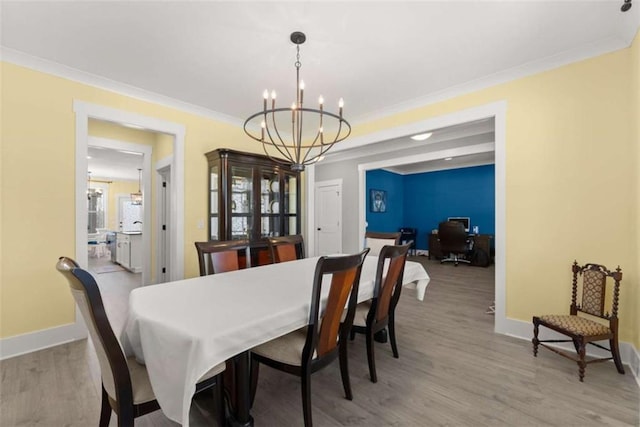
(241, 417)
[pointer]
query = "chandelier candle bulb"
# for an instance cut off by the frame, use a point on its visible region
(340, 105)
(266, 96)
(301, 91)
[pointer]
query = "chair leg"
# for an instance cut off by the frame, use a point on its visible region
(306, 397)
(392, 335)
(344, 370)
(371, 356)
(352, 334)
(125, 416)
(255, 371)
(535, 341)
(615, 352)
(218, 401)
(105, 410)
(581, 363)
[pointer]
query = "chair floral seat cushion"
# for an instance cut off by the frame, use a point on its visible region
(576, 324)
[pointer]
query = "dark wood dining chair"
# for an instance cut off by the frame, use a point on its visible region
(218, 256)
(286, 248)
(378, 313)
(325, 338)
(126, 388)
(375, 240)
(578, 328)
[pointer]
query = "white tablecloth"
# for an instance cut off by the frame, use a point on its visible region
(181, 329)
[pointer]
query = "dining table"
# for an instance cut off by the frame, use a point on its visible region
(183, 328)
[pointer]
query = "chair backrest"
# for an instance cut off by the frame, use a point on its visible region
(222, 255)
(286, 248)
(323, 334)
(375, 240)
(113, 364)
(388, 284)
(452, 236)
(593, 289)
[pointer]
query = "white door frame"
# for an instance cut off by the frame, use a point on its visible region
(85, 111)
(330, 182)
(497, 110)
(163, 248)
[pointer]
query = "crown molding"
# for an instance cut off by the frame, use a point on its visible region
(24, 60)
(587, 51)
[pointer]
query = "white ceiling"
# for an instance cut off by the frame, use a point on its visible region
(216, 58)
(113, 165)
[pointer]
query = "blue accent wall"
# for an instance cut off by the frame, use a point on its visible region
(428, 198)
(393, 184)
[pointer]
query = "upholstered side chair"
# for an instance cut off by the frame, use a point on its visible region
(587, 321)
(126, 388)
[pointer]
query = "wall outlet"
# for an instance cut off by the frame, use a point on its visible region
(200, 224)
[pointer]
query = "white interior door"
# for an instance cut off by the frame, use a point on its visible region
(163, 248)
(328, 202)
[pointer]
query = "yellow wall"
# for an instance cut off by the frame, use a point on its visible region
(635, 120)
(572, 190)
(33, 295)
(571, 159)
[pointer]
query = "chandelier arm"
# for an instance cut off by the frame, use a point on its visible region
(311, 147)
(286, 154)
(300, 126)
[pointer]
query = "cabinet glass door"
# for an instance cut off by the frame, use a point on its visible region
(214, 209)
(269, 203)
(290, 205)
(241, 202)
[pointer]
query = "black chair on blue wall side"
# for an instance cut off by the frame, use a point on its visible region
(453, 241)
(409, 234)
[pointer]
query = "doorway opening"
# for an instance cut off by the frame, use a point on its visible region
(85, 112)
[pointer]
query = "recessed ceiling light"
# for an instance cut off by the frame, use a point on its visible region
(421, 137)
(88, 157)
(448, 158)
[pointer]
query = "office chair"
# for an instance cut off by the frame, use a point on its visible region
(454, 241)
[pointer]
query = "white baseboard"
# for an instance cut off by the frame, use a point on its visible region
(39, 340)
(524, 330)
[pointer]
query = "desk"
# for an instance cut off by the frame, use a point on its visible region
(482, 241)
(181, 329)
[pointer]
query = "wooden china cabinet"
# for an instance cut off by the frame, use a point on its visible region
(251, 197)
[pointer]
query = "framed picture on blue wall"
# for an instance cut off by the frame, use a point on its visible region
(378, 201)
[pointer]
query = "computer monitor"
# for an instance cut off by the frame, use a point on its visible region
(463, 219)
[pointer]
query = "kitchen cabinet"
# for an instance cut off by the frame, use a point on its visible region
(129, 251)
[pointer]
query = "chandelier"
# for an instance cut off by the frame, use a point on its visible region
(313, 131)
(136, 198)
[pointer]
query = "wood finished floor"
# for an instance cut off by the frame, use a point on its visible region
(453, 371)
